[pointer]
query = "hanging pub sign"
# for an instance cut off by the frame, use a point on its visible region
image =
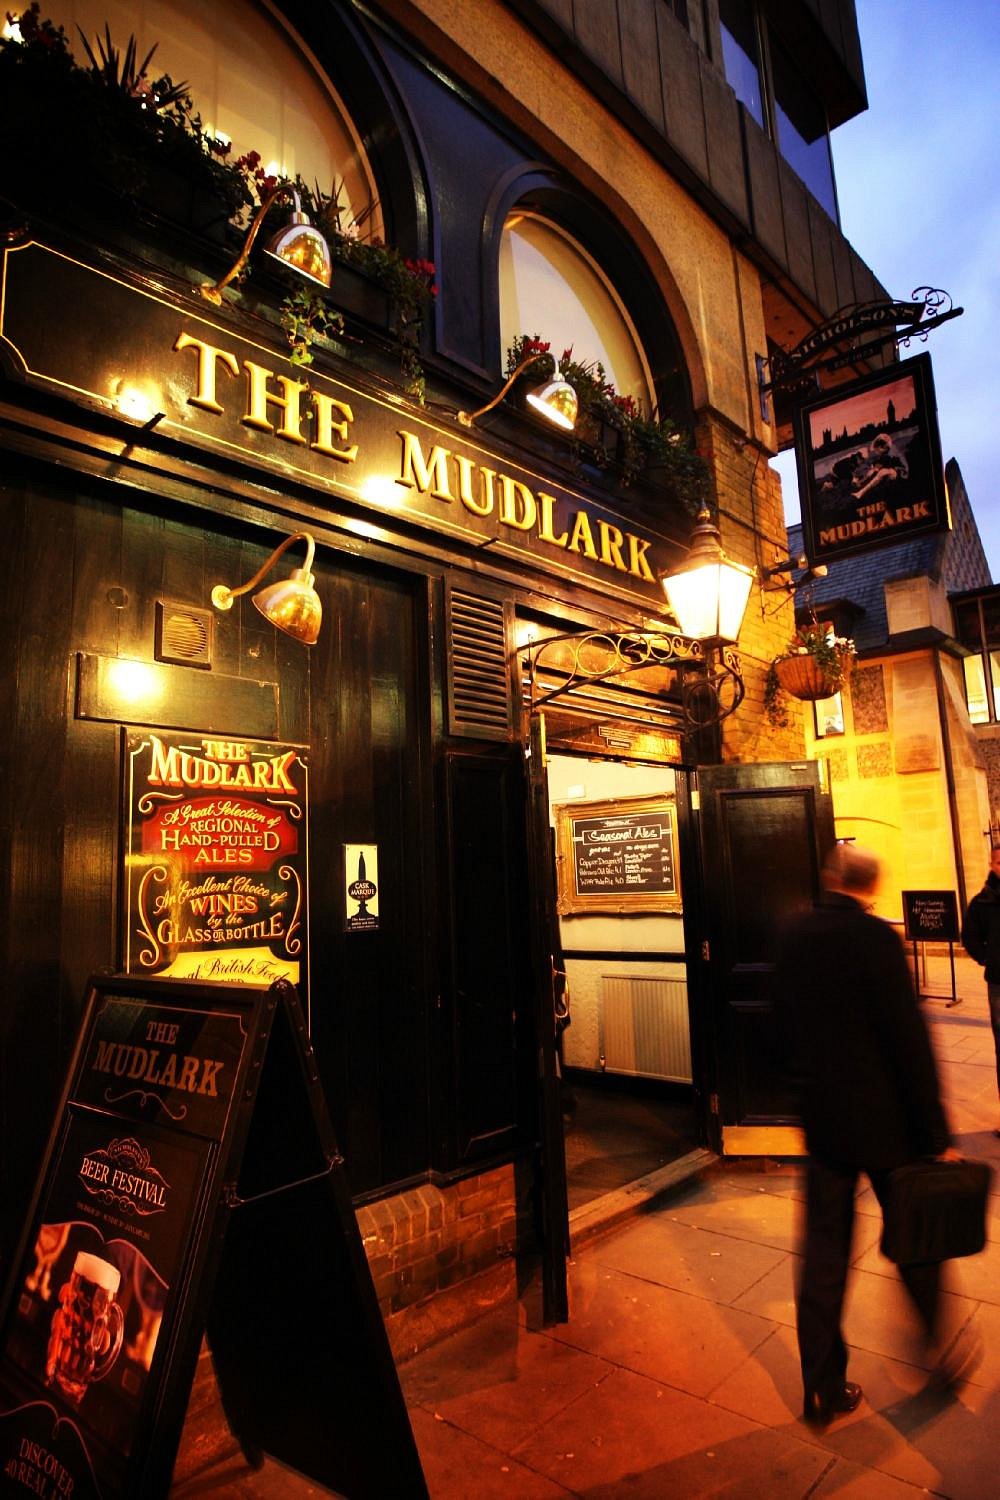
(216, 859)
(869, 463)
(361, 887)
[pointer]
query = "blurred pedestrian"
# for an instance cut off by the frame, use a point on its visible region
(860, 1057)
(981, 940)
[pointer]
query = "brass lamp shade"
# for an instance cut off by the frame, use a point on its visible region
(557, 401)
(293, 605)
(301, 246)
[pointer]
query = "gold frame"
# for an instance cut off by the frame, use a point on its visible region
(573, 902)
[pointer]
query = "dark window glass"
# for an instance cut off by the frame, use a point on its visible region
(967, 623)
(800, 118)
(991, 621)
(740, 54)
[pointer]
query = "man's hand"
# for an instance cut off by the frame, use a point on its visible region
(948, 1154)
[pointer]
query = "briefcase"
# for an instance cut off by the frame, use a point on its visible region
(936, 1210)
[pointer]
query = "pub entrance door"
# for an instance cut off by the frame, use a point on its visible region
(766, 830)
(629, 1101)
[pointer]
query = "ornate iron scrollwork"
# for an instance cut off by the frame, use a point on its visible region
(851, 334)
(711, 686)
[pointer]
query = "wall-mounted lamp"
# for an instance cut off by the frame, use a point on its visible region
(299, 245)
(708, 594)
(292, 605)
(790, 565)
(555, 399)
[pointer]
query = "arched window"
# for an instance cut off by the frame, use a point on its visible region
(250, 82)
(550, 286)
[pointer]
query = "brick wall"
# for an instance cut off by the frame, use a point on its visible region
(432, 1251)
(752, 524)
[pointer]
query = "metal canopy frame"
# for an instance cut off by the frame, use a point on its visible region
(864, 327)
(580, 663)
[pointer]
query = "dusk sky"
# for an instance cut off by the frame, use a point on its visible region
(918, 183)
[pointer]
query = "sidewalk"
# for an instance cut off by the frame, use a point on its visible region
(677, 1373)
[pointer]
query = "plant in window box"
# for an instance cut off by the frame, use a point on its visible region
(816, 665)
(72, 132)
(611, 429)
(409, 285)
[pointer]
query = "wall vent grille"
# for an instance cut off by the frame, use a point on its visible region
(479, 696)
(183, 634)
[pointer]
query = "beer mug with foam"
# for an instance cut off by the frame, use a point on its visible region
(87, 1327)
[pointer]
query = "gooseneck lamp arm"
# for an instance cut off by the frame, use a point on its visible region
(222, 597)
(214, 293)
(467, 418)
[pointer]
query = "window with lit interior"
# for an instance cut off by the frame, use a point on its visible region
(551, 287)
(251, 84)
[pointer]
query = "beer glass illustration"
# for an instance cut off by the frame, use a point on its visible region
(87, 1327)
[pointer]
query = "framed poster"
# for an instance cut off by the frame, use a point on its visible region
(216, 859)
(617, 856)
(869, 462)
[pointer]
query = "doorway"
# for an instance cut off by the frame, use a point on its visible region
(628, 1098)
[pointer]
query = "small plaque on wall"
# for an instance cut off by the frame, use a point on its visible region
(618, 856)
(361, 887)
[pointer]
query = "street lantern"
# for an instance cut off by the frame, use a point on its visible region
(708, 593)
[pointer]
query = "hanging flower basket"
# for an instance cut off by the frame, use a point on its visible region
(803, 677)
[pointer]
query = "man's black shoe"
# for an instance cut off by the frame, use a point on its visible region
(820, 1410)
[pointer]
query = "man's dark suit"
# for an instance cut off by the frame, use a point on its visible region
(858, 1051)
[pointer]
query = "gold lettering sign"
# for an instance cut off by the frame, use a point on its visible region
(278, 405)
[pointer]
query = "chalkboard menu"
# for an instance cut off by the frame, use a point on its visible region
(931, 916)
(618, 856)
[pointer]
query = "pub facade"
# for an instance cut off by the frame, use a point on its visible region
(415, 807)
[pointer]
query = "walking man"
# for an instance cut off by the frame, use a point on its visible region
(981, 941)
(860, 1057)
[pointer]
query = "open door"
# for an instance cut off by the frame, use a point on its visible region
(549, 984)
(766, 830)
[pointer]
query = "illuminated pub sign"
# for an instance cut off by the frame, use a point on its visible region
(216, 862)
(869, 463)
(147, 353)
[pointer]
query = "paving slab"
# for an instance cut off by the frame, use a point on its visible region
(670, 1253)
(741, 1208)
(456, 1464)
(684, 1341)
(498, 1381)
(632, 1436)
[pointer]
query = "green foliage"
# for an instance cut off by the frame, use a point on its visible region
(775, 701)
(304, 317)
(410, 284)
(613, 430)
(125, 128)
(103, 124)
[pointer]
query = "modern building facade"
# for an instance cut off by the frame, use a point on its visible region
(645, 187)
